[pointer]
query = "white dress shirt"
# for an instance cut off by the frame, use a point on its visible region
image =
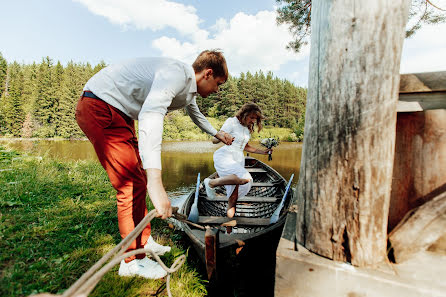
(146, 89)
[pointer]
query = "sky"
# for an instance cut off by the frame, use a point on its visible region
(113, 30)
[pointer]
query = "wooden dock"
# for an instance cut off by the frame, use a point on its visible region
(373, 171)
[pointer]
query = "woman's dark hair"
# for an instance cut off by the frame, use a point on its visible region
(246, 110)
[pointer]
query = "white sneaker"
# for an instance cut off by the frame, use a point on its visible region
(210, 192)
(142, 267)
(156, 247)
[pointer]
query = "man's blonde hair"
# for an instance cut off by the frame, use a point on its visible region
(211, 59)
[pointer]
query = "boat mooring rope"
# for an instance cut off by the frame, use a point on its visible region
(88, 281)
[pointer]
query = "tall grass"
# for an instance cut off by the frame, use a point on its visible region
(58, 218)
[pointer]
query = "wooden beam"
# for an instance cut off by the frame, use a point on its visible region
(264, 184)
(256, 170)
(422, 91)
(240, 221)
(412, 102)
(420, 229)
(423, 82)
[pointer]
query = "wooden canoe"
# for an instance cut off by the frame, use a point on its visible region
(252, 217)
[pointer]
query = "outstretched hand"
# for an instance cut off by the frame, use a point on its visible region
(224, 137)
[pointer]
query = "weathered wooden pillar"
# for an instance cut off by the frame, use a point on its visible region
(347, 159)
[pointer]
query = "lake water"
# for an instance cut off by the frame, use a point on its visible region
(181, 160)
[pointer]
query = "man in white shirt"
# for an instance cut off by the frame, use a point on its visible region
(144, 89)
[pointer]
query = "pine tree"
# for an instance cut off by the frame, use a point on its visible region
(99, 67)
(71, 88)
(44, 101)
(12, 101)
(3, 69)
(56, 94)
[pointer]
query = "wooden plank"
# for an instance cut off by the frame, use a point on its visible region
(256, 170)
(421, 228)
(422, 91)
(423, 82)
(264, 184)
(240, 221)
(245, 199)
(412, 102)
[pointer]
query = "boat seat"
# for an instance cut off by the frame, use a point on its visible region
(240, 220)
(256, 170)
(244, 199)
(264, 184)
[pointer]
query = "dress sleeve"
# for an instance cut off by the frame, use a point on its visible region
(228, 126)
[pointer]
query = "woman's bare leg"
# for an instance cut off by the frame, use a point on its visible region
(231, 179)
(232, 202)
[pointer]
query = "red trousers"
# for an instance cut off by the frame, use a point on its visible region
(112, 134)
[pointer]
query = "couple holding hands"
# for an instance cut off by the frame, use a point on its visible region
(145, 89)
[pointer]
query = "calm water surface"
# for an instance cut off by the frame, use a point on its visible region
(181, 160)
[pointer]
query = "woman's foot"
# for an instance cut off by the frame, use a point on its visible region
(210, 192)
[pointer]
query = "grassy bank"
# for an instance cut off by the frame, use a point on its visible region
(58, 218)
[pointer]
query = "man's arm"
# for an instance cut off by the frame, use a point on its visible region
(157, 193)
(224, 137)
(200, 120)
(150, 138)
(167, 83)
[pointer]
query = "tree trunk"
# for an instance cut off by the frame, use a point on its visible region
(347, 159)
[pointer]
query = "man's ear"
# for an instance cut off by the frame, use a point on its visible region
(208, 73)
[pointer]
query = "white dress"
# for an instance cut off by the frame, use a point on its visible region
(229, 159)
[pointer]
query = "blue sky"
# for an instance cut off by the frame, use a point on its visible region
(112, 30)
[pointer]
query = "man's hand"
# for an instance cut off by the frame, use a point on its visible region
(224, 137)
(157, 193)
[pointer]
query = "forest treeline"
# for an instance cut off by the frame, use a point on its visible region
(39, 100)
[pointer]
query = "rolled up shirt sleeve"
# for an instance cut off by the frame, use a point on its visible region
(150, 138)
(199, 119)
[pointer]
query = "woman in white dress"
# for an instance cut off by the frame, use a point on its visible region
(229, 160)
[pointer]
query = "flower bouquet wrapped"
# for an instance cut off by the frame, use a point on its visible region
(269, 143)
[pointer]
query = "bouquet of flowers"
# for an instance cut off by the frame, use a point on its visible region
(269, 143)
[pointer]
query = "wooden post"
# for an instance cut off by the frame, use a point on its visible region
(347, 159)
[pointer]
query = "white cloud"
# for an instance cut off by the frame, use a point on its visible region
(249, 42)
(147, 14)
(425, 51)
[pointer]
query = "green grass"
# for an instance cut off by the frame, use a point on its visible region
(58, 218)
